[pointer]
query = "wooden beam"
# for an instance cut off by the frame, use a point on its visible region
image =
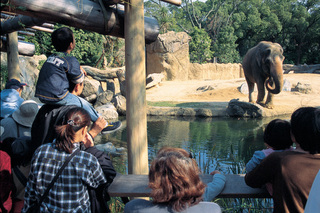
(43, 29)
(137, 186)
(136, 113)
(18, 23)
(83, 14)
(26, 33)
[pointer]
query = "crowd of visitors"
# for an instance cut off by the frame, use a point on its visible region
(291, 173)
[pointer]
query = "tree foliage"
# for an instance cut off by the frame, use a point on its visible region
(234, 26)
(90, 47)
(199, 46)
(221, 29)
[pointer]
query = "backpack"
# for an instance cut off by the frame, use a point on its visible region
(43, 126)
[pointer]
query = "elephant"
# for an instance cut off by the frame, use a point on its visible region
(262, 65)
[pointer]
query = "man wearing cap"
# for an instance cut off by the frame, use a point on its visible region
(20, 122)
(11, 97)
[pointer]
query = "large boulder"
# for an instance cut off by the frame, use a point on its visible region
(91, 89)
(108, 112)
(169, 55)
(303, 88)
(120, 103)
(238, 108)
(154, 80)
(103, 98)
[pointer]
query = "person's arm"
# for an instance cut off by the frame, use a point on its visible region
(74, 73)
(97, 126)
(264, 172)
(256, 159)
(215, 187)
(105, 163)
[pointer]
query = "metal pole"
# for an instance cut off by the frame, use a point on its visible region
(13, 56)
(136, 88)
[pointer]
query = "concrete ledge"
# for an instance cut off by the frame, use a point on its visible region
(137, 186)
(188, 112)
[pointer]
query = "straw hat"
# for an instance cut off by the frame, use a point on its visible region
(26, 113)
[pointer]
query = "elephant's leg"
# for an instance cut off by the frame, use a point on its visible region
(250, 89)
(261, 92)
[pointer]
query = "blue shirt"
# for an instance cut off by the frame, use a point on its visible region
(10, 101)
(215, 187)
(54, 77)
(69, 193)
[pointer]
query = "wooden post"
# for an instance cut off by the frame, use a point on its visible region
(13, 56)
(136, 88)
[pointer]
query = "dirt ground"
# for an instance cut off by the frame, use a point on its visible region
(222, 91)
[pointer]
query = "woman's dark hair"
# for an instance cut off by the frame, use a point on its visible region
(174, 179)
(305, 127)
(277, 134)
(61, 39)
(75, 119)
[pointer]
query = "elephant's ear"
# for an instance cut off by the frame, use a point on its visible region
(265, 54)
(258, 56)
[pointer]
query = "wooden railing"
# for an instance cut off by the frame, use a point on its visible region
(137, 186)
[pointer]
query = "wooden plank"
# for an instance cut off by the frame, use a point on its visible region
(137, 186)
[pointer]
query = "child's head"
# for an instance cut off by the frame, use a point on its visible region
(61, 39)
(277, 134)
(305, 123)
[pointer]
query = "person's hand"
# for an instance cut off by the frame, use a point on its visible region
(98, 126)
(88, 141)
(215, 172)
(84, 72)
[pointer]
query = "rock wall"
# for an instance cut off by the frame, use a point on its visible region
(169, 55)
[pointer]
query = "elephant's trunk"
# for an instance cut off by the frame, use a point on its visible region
(276, 77)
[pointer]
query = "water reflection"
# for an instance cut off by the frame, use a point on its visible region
(225, 144)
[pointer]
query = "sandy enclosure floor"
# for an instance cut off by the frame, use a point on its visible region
(225, 90)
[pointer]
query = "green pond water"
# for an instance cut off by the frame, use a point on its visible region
(225, 144)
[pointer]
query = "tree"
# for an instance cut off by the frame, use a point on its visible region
(225, 47)
(160, 11)
(199, 46)
(303, 29)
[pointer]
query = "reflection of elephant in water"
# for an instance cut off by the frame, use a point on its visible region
(263, 65)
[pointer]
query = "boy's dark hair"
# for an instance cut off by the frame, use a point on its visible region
(61, 39)
(305, 123)
(277, 134)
